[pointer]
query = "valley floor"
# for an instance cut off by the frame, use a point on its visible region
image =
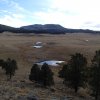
(55, 47)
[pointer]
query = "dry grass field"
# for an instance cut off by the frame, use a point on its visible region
(56, 47)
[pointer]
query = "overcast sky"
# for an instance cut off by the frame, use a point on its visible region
(83, 14)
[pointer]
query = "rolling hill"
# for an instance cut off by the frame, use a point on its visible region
(47, 28)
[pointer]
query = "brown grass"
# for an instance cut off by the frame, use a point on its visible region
(58, 47)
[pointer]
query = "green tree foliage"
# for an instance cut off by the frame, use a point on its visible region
(35, 73)
(74, 72)
(10, 67)
(46, 75)
(95, 75)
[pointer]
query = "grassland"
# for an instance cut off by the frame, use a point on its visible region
(57, 47)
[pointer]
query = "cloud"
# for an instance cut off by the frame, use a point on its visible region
(15, 16)
(18, 16)
(6, 1)
(77, 6)
(16, 6)
(12, 21)
(69, 13)
(12, 5)
(91, 25)
(66, 18)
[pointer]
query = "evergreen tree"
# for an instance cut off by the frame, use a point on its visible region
(1, 62)
(10, 67)
(95, 76)
(74, 72)
(46, 75)
(4, 65)
(63, 71)
(35, 73)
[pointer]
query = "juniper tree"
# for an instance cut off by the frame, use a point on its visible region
(74, 71)
(46, 75)
(10, 67)
(1, 62)
(35, 73)
(95, 75)
(63, 71)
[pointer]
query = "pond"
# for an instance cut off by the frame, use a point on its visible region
(51, 62)
(36, 46)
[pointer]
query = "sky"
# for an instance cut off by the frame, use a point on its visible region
(84, 14)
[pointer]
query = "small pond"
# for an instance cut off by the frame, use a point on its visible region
(36, 46)
(51, 62)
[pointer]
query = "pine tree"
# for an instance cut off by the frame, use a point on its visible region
(35, 73)
(10, 67)
(63, 71)
(95, 75)
(1, 62)
(4, 65)
(74, 72)
(46, 75)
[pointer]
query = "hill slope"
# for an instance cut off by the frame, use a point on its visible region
(47, 28)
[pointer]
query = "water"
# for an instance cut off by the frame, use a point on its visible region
(37, 46)
(51, 62)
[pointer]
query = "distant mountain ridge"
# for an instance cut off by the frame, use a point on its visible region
(6, 28)
(47, 29)
(43, 27)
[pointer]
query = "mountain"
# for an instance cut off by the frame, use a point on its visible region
(47, 29)
(54, 29)
(6, 28)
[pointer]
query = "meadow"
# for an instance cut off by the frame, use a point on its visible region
(55, 47)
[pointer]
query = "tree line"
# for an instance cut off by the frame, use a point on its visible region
(75, 74)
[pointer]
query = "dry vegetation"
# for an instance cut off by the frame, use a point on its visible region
(58, 47)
